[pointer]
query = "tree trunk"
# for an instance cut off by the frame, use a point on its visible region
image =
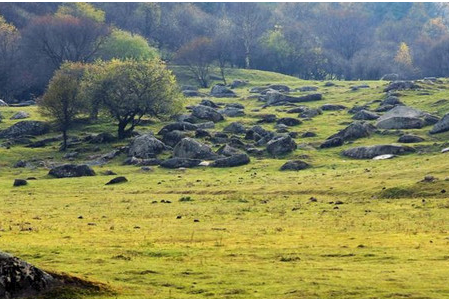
(64, 140)
(121, 130)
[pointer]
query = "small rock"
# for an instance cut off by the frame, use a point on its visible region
(19, 182)
(117, 180)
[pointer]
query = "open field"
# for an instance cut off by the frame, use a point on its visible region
(374, 231)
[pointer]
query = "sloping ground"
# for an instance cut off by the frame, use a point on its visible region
(343, 228)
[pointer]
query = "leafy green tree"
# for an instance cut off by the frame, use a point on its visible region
(62, 102)
(130, 89)
(122, 45)
(81, 10)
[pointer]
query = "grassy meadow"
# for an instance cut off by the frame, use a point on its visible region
(374, 231)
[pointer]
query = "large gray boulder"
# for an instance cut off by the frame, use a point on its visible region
(20, 115)
(221, 91)
(173, 137)
(145, 146)
(332, 107)
(178, 126)
(207, 113)
(231, 161)
(19, 279)
(235, 128)
(369, 152)
(281, 145)
(71, 171)
(274, 97)
(26, 127)
(192, 149)
(294, 165)
(356, 130)
(365, 115)
(238, 83)
(232, 111)
(441, 126)
(401, 85)
(279, 87)
(173, 163)
(410, 139)
(401, 117)
(227, 151)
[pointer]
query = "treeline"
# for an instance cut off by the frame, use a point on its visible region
(307, 40)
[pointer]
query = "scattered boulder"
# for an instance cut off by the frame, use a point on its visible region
(401, 85)
(231, 161)
(332, 142)
(146, 146)
(180, 162)
(329, 84)
(410, 139)
(206, 125)
(257, 89)
(299, 109)
(281, 145)
(173, 137)
(25, 127)
(279, 87)
(369, 152)
(18, 183)
(235, 128)
(235, 105)
(200, 133)
(308, 134)
(207, 113)
(177, 126)
(71, 170)
(20, 115)
(310, 113)
(365, 115)
(430, 119)
(238, 83)
(441, 126)
(307, 98)
(227, 151)
(232, 111)
(294, 165)
(209, 103)
(221, 91)
(401, 117)
(19, 279)
(20, 164)
(267, 118)
(192, 149)
(332, 107)
(392, 100)
(117, 180)
(356, 109)
(289, 121)
(357, 87)
(354, 131)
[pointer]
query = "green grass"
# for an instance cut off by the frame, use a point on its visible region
(258, 235)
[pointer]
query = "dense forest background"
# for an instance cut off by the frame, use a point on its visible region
(308, 40)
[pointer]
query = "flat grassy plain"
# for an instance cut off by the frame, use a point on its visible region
(374, 231)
